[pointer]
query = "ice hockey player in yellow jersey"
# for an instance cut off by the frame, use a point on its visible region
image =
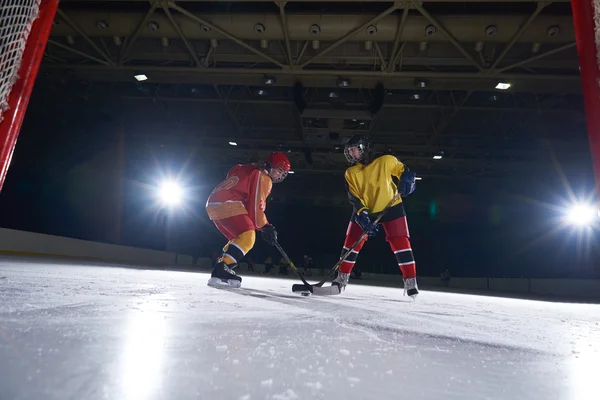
(371, 184)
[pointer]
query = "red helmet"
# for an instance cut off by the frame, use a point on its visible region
(278, 160)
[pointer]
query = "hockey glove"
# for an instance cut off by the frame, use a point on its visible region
(363, 220)
(407, 183)
(269, 234)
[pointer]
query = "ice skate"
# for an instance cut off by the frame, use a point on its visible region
(411, 288)
(341, 281)
(223, 276)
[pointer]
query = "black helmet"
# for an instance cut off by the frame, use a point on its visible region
(362, 143)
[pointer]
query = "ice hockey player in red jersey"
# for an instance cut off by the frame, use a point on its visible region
(371, 185)
(237, 208)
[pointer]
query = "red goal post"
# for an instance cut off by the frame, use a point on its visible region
(586, 19)
(24, 29)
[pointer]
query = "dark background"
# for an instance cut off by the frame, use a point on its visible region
(474, 227)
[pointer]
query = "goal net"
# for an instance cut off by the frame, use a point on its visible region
(24, 29)
(16, 19)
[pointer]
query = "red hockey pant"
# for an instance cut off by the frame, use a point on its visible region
(396, 234)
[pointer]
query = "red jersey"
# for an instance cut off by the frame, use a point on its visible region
(244, 191)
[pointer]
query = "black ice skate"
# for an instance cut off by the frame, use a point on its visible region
(411, 288)
(223, 275)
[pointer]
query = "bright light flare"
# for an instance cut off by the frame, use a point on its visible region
(170, 193)
(581, 215)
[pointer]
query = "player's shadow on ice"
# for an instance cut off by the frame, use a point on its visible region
(261, 294)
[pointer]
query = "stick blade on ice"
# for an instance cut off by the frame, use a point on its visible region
(316, 290)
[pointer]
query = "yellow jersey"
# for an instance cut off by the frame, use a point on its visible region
(371, 187)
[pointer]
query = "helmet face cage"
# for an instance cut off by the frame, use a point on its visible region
(361, 144)
(282, 175)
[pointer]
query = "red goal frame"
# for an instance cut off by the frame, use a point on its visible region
(586, 16)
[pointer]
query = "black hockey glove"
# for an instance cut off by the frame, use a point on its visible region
(365, 223)
(269, 234)
(407, 183)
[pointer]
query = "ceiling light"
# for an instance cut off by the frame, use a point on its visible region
(232, 143)
(343, 82)
(418, 178)
(290, 172)
(502, 85)
(421, 83)
(437, 157)
(140, 77)
(270, 80)
(261, 92)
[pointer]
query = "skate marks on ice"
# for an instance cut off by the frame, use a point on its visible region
(518, 325)
(510, 322)
(490, 327)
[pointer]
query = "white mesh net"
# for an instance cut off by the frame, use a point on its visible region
(16, 18)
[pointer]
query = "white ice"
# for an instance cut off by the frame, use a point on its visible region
(71, 331)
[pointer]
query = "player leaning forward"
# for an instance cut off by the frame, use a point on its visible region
(371, 185)
(237, 208)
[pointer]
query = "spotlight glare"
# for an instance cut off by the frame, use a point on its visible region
(581, 215)
(503, 86)
(232, 143)
(170, 193)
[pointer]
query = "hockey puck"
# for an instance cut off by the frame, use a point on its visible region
(305, 293)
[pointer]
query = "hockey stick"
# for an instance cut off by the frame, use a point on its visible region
(291, 263)
(360, 239)
(302, 288)
(307, 287)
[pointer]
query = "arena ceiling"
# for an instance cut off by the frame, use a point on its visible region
(420, 78)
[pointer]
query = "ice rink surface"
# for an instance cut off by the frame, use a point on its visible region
(71, 331)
